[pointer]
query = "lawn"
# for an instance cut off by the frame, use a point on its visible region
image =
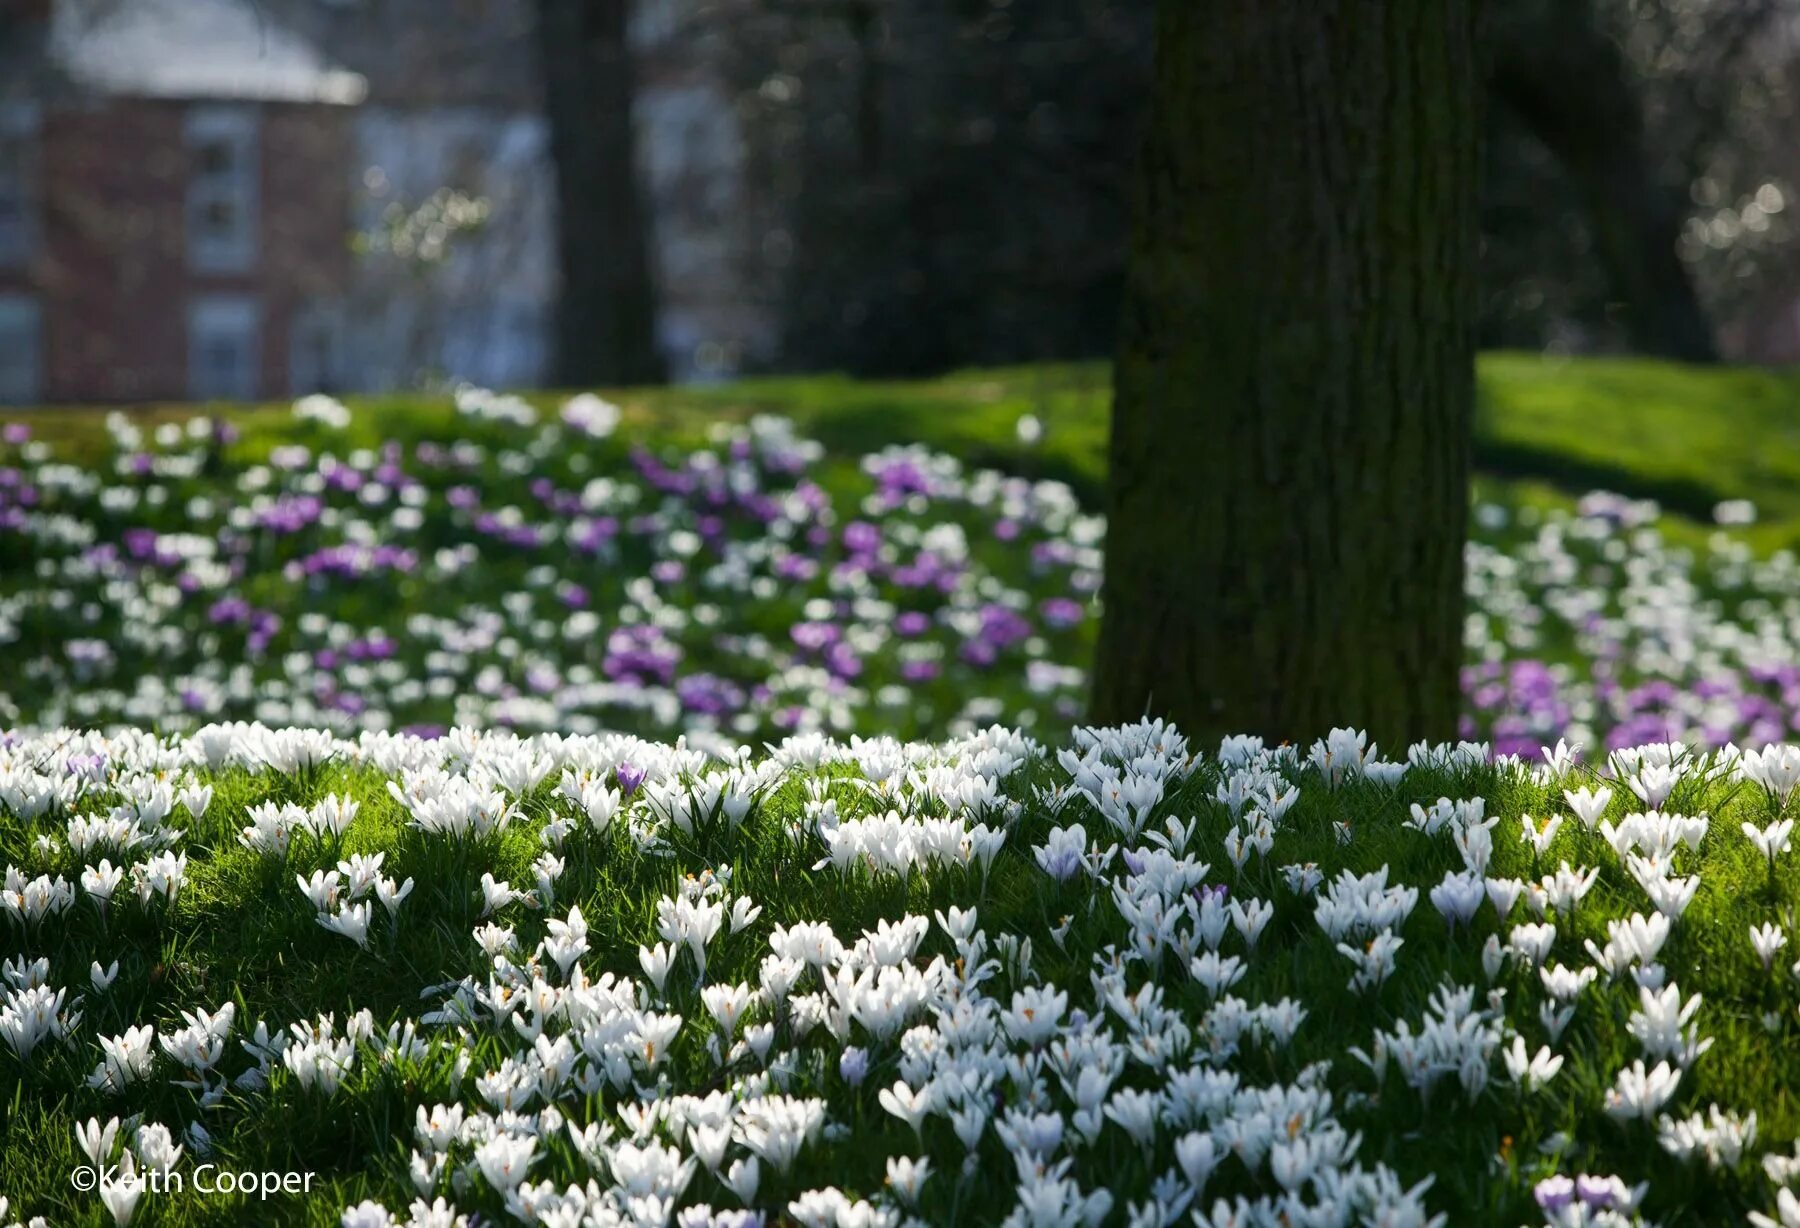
(695, 562)
(553, 810)
(1690, 437)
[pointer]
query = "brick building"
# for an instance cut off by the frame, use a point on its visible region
(173, 203)
(195, 197)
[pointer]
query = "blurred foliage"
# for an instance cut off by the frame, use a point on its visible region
(1719, 81)
(1713, 83)
(423, 234)
(1541, 286)
(943, 181)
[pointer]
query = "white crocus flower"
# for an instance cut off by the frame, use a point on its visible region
(1588, 804)
(1767, 940)
(911, 1107)
(98, 1142)
(1787, 1212)
(1658, 1022)
(1537, 834)
(1534, 1071)
(656, 962)
(743, 1178)
(121, 1192)
(1640, 1093)
(906, 1176)
(352, 921)
(504, 1159)
(1771, 841)
(1458, 897)
(391, 894)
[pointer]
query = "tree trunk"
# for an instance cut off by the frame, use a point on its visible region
(1556, 70)
(1292, 400)
(606, 309)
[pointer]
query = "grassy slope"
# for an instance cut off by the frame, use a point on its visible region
(1689, 437)
(1685, 435)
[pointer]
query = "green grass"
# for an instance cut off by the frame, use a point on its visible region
(1690, 437)
(240, 931)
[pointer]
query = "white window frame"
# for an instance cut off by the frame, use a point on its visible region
(215, 316)
(21, 350)
(235, 186)
(20, 128)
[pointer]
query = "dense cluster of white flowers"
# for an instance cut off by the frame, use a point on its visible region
(584, 1093)
(1596, 626)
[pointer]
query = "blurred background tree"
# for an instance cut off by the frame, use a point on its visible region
(605, 330)
(939, 182)
(1638, 162)
(1561, 81)
(943, 180)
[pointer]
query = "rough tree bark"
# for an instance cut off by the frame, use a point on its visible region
(1289, 463)
(606, 307)
(1567, 81)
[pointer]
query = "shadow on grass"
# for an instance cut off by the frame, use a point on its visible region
(1575, 476)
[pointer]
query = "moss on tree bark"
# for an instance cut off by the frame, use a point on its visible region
(1289, 462)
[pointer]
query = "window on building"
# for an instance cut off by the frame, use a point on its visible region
(224, 350)
(316, 350)
(21, 350)
(221, 192)
(18, 182)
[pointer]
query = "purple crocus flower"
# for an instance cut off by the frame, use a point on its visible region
(918, 671)
(842, 661)
(861, 537)
(814, 636)
(1554, 1193)
(629, 778)
(709, 694)
(1061, 612)
(979, 653)
(796, 567)
(1596, 1192)
(912, 622)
